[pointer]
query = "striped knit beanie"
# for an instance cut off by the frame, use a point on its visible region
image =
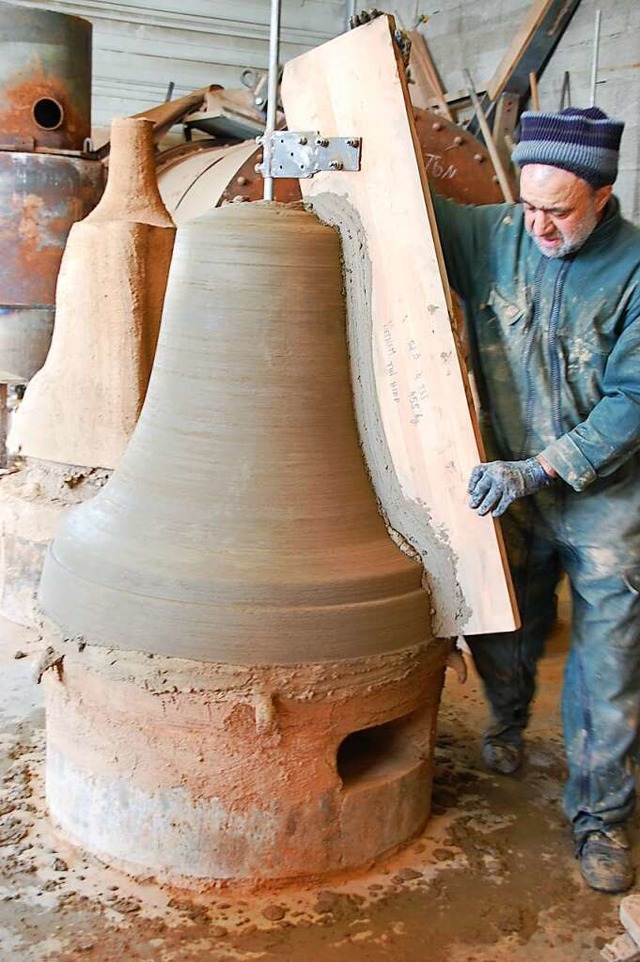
(584, 142)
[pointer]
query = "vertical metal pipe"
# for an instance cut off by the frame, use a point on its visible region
(4, 423)
(535, 96)
(594, 63)
(272, 95)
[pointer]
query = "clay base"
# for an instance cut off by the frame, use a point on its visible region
(197, 772)
(32, 501)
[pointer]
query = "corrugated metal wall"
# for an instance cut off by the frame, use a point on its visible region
(140, 47)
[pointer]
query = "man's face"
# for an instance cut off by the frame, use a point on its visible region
(560, 209)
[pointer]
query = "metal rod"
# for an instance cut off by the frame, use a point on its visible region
(351, 9)
(535, 97)
(4, 423)
(594, 62)
(565, 96)
(272, 95)
(498, 166)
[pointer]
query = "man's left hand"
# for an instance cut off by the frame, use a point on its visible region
(495, 485)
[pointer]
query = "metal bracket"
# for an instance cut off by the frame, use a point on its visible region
(303, 154)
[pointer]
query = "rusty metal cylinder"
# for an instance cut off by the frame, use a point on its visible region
(45, 108)
(240, 524)
(45, 79)
(41, 196)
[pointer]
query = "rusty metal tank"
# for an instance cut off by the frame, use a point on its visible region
(45, 78)
(41, 196)
(48, 178)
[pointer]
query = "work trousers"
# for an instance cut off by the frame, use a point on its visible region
(594, 537)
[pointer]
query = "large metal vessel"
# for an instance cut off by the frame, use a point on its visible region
(48, 179)
(45, 78)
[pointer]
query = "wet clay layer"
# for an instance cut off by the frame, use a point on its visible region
(82, 406)
(422, 389)
(240, 525)
(410, 523)
(198, 772)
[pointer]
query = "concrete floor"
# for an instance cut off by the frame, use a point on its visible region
(492, 878)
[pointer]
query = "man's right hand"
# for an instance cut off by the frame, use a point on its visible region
(497, 484)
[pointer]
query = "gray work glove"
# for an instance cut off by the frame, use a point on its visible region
(495, 485)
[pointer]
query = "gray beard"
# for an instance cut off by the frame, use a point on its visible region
(581, 234)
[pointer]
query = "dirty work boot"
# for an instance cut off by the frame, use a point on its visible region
(605, 860)
(500, 755)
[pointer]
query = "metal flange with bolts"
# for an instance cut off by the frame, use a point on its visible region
(304, 154)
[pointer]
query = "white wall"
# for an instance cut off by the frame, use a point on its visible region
(618, 90)
(475, 34)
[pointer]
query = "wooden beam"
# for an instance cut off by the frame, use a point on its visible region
(164, 116)
(529, 26)
(418, 425)
(501, 173)
(426, 80)
(535, 96)
(504, 125)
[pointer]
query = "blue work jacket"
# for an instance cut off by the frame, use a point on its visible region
(554, 342)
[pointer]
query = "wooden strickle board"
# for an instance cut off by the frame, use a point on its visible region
(355, 86)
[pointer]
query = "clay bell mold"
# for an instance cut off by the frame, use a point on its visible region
(256, 695)
(240, 524)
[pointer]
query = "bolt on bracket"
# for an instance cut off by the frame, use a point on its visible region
(305, 153)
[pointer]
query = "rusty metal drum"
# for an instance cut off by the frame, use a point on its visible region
(41, 196)
(46, 181)
(45, 79)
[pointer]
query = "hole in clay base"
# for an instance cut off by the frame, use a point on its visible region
(378, 752)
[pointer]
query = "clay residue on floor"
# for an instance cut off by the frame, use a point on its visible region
(410, 523)
(492, 878)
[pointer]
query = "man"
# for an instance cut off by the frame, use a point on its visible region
(551, 289)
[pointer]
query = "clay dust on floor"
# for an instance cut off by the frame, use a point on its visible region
(492, 878)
